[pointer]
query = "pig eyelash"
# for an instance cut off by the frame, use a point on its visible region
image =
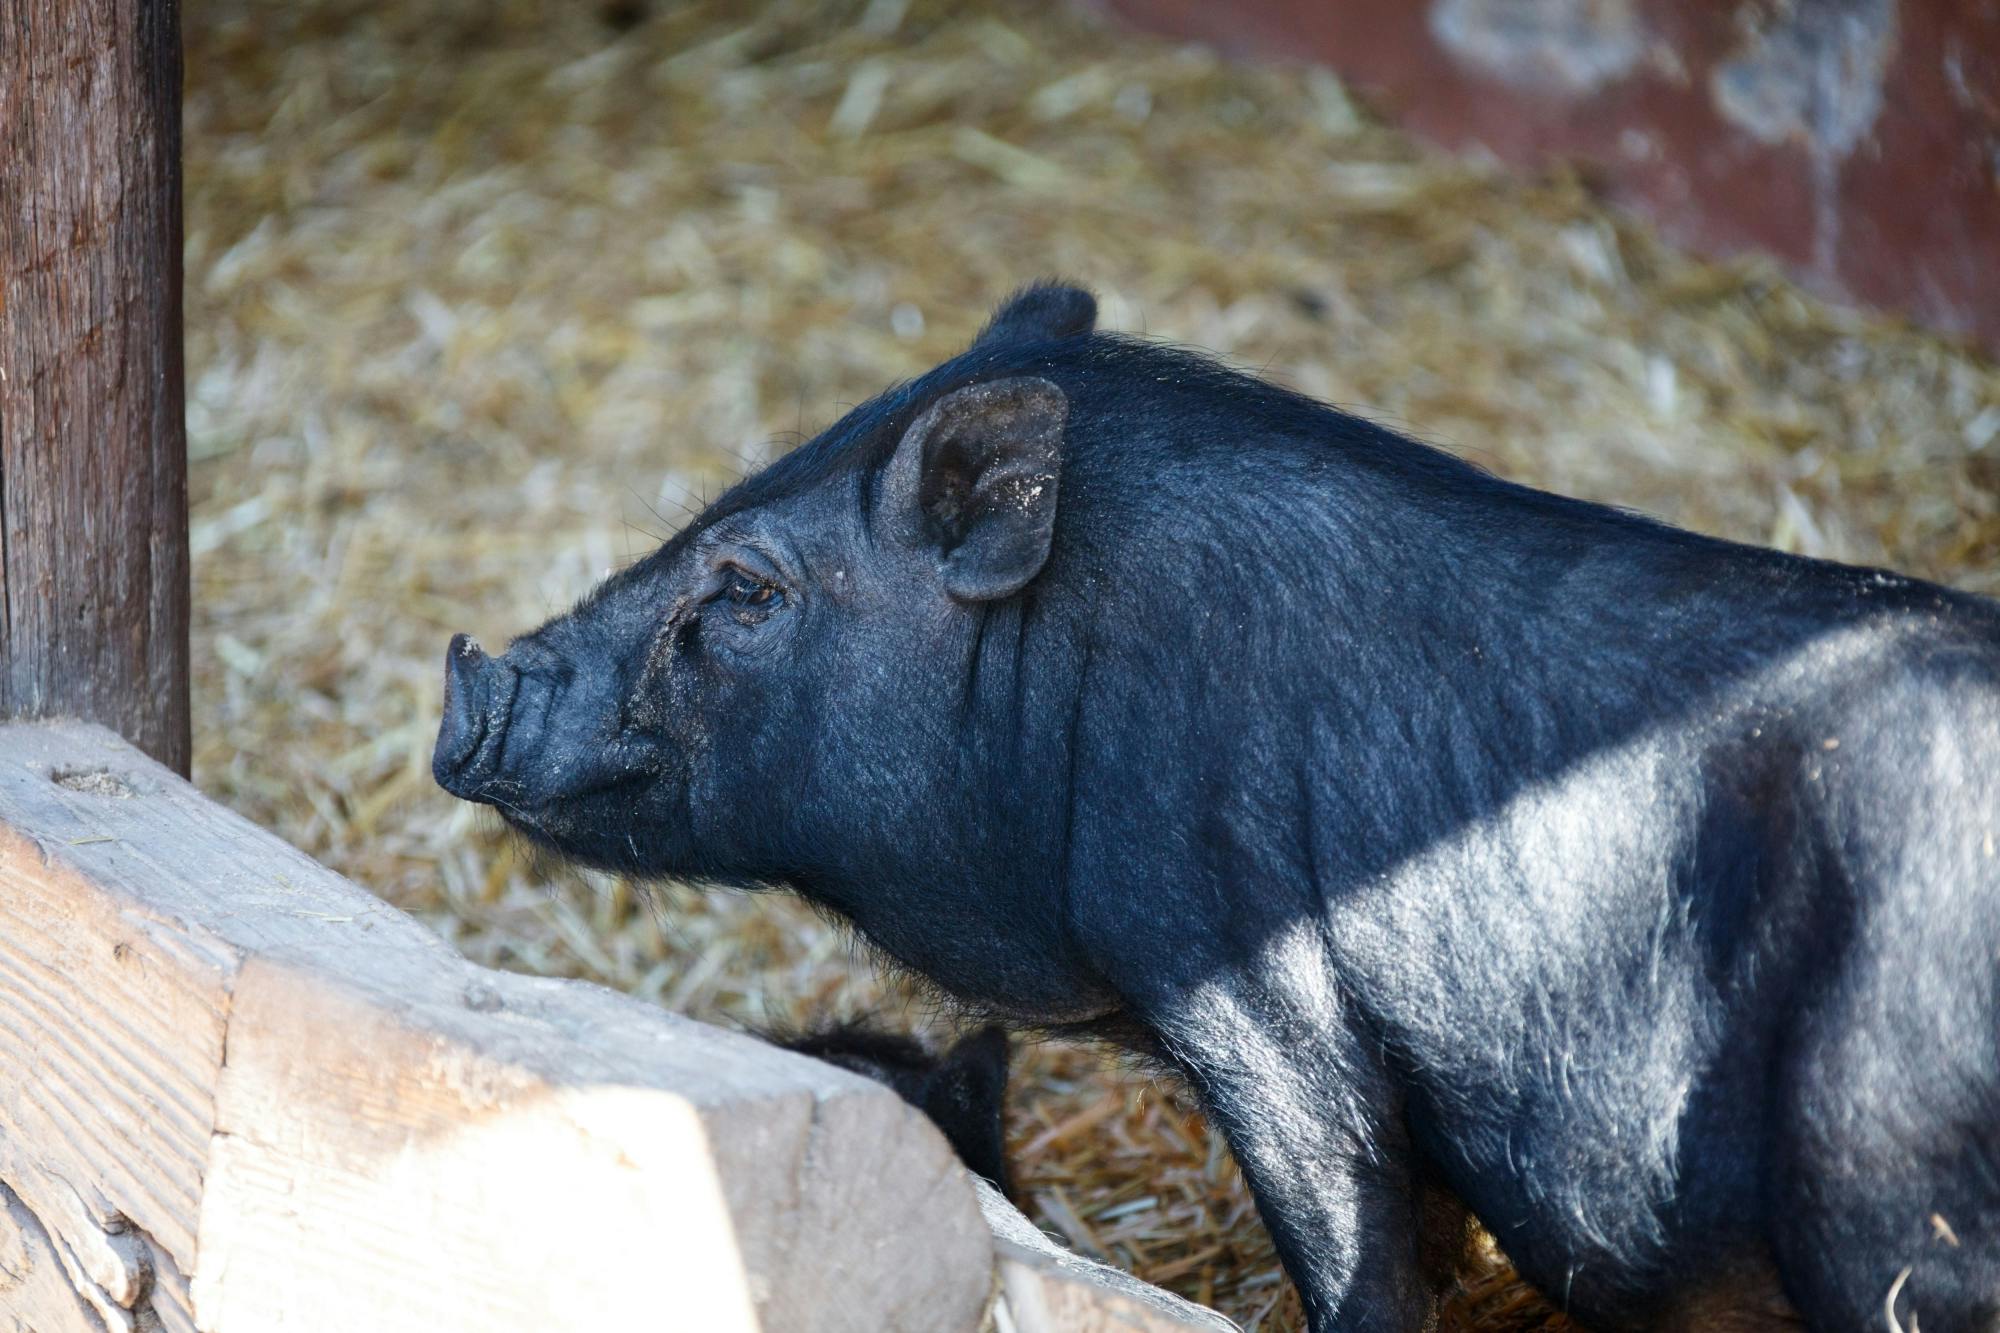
(748, 593)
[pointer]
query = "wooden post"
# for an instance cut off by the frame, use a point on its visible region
(93, 449)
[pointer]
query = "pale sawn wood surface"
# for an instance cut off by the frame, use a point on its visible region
(238, 1092)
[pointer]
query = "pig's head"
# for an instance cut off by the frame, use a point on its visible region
(792, 691)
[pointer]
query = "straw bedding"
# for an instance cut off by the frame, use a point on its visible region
(483, 297)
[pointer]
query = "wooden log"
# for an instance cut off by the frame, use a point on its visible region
(1044, 1288)
(238, 1092)
(33, 1283)
(93, 456)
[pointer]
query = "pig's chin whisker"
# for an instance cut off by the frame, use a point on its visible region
(653, 893)
(539, 843)
(502, 803)
(541, 861)
(518, 815)
(550, 865)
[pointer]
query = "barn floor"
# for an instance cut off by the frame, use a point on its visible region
(482, 296)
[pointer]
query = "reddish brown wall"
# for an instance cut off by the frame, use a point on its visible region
(1857, 140)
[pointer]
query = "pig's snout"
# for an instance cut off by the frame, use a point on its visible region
(530, 729)
(478, 697)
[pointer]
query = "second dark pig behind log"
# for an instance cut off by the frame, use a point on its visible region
(963, 1090)
(1457, 841)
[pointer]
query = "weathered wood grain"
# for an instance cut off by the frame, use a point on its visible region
(237, 1091)
(36, 1294)
(1044, 1288)
(93, 457)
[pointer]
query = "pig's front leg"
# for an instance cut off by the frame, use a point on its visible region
(1317, 1125)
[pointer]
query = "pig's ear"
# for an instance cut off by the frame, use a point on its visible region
(1040, 312)
(974, 482)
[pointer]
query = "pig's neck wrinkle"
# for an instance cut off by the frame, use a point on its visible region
(977, 894)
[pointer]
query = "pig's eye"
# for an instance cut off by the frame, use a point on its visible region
(743, 590)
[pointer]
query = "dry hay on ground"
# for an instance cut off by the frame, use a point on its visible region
(481, 296)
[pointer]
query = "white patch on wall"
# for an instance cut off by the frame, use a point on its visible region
(1812, 76)
(1566, 47)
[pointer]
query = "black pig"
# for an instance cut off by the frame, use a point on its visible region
(1454, 839)
(963, 1090)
